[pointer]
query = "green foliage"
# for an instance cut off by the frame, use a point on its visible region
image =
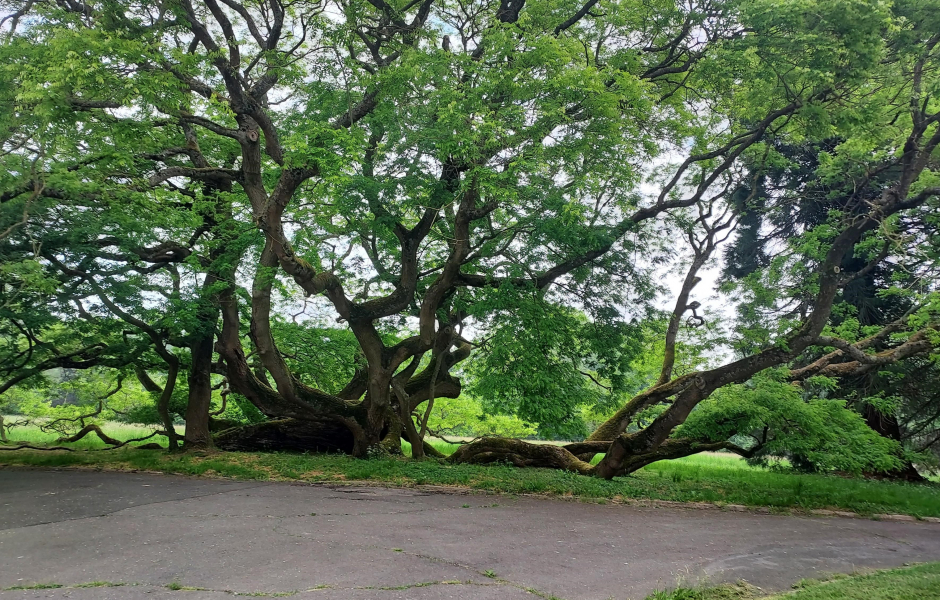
(65, 396)
(542, 362)
(815, 433)
(464, 416)
(322, 357)
(240, 409)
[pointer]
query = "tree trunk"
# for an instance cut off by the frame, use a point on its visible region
(618, 423)
(430, 450)
(588, 449)
(672, 449)
(200, 394)
(288, 435)
(887, 426)
(377, 416)
(575, 457)
(520, 454)
(414, 438)
(612, 427)
(392, 440)
(163, 405)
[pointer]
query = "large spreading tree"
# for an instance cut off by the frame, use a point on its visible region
(189, 186)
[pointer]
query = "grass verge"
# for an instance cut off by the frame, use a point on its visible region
(920, 582)
(702, 478)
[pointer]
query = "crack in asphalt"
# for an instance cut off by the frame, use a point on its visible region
(325, 533)
(177, 587)
(495, 580)
(490, 574)
(296, 516)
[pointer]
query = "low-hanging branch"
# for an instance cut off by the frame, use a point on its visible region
(87, 429)
(113, 444)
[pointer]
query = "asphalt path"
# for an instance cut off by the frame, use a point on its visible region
(218, 538)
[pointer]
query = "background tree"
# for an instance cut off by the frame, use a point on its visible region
(791, 198)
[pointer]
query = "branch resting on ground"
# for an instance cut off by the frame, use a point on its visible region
(575, 457)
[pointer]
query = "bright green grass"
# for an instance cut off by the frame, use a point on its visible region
(440, 445)
(714, 477)
(32, 434)
(703, 478)
(920, 582)
(710, 477)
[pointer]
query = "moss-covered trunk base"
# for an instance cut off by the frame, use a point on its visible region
(520, 454)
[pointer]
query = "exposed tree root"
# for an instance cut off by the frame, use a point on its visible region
(430, 450)
(151, 446)
(520, 454)
(114, 443)
(287, 434)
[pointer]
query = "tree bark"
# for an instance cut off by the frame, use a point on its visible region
(520, 454)
(887, 426)
(430, 450)
(618, 423)
(288, 435)
(677, 448)
(575, 457)
(163, 404)
(91, 428)
(200, 394)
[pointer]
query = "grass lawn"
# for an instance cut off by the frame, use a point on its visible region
(31, 434)
(703, 478)
(921, 582)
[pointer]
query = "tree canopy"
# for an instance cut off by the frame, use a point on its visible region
(350, 208)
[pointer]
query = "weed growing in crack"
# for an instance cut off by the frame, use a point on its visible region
(35, 586)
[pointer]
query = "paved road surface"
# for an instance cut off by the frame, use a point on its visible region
(151, 531)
